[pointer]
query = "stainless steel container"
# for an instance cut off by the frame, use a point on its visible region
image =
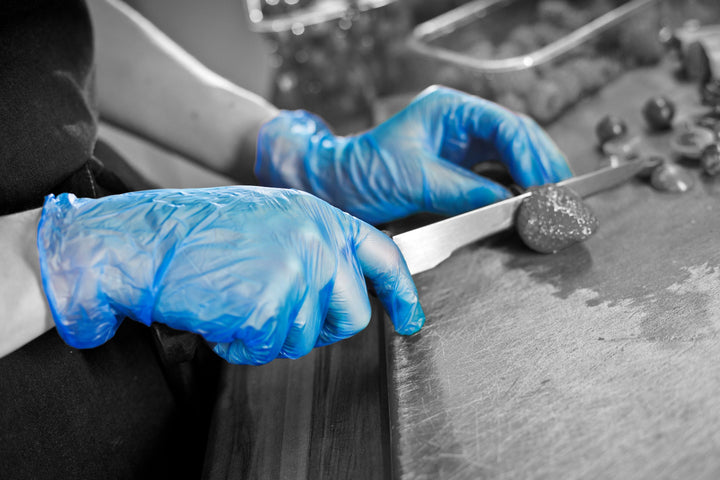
(471, 48)
(283, 16)
(333, 57)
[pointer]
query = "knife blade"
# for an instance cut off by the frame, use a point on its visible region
(426, 247)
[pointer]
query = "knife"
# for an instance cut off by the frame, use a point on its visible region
(426, 247)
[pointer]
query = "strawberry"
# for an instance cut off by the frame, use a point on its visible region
(553, 218)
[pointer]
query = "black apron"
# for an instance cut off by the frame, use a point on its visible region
(138, 406)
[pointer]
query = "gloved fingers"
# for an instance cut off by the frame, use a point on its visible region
(452, 190)
(227, 351)
(555, 166)
(383, 265)
(531, 157)
(243, 352)
(478, 151)
(238, 353)
(262, 334)
(349, 308)
(256, 348)
(305, 330)
(462, 119)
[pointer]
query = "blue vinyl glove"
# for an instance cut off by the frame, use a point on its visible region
(258, 272)
(417, 161)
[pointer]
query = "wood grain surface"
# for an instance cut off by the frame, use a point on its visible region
(601, 361)
(323, 416)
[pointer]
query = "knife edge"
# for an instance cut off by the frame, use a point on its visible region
(426, 247)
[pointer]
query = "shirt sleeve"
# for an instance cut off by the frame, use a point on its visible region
(48, 119)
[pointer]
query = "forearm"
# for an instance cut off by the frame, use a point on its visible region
(25, 311)
(147, 84)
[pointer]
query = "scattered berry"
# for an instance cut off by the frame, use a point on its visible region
(710, 159)
(658, 113)
(610, 127)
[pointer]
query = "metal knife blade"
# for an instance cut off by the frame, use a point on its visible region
(427, 246)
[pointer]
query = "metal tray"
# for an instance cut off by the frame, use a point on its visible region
(425, 35)
(319, 11)
(440, 41)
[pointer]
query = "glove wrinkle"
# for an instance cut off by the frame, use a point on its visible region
(258, 272)
(408, 163)
(239, 264)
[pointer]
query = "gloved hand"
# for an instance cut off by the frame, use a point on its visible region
(416, 161)
(259, 272)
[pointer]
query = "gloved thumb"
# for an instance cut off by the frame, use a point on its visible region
(451, 189)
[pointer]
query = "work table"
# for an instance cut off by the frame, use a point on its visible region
(600, 361)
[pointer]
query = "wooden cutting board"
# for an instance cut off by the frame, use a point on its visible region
(601, 361)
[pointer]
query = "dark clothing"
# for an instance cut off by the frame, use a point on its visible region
(127, 409)
(47, 116)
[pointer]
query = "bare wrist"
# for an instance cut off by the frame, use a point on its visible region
(22, 299)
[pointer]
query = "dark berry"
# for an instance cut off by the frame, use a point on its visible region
(710, 93)
(659, 113)
(669, 177)
(710, 159)
(610, 127)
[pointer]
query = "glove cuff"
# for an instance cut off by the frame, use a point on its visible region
(83, 318)
(290, 148)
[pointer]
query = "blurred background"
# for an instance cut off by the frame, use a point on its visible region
(217, 32)
(338, 57)
(355, 62)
